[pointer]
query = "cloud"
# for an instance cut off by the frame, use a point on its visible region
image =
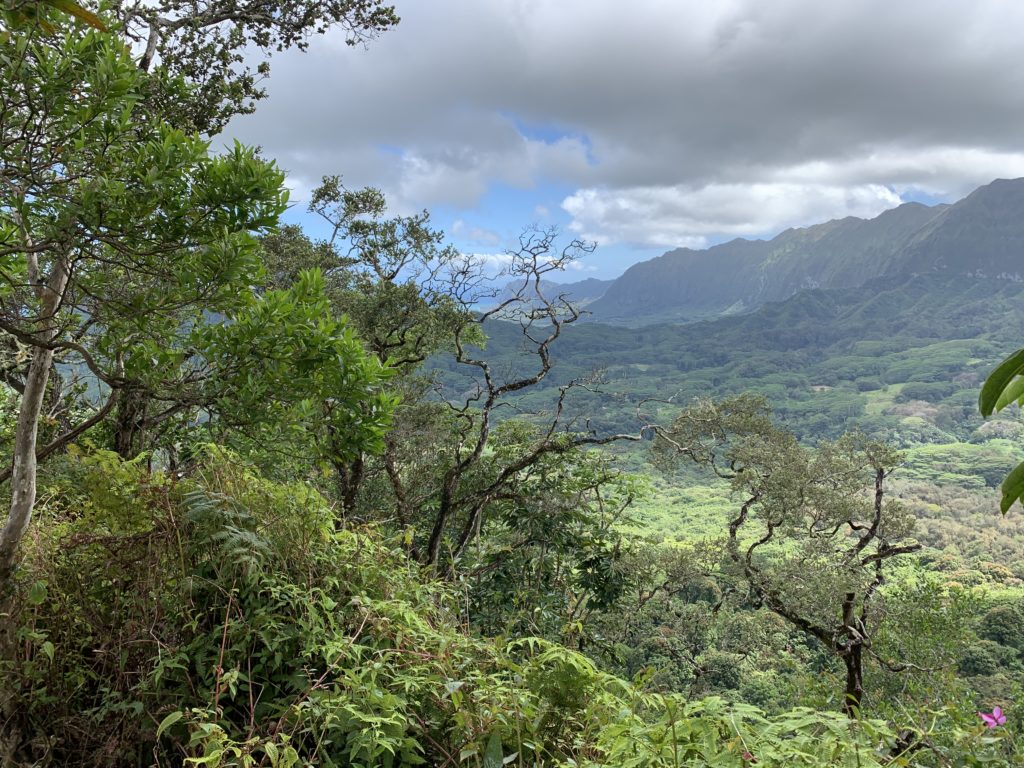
(474, 235)
(492, 264)
(739, 115)
(686, 216)
(580, 266)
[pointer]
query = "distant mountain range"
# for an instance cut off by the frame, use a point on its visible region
(981, 236)
(580, 293)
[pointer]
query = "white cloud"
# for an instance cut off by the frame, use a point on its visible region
(475, 235)
(580, 266)
(672, 121)
(493, 264)
(687, 216)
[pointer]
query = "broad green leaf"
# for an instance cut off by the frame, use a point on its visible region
(998, 380)
(1012, 487)
(272, 753)
(167, 722)
(1011, 394)
(80, 13)
(37, 593)
(494, 757)
(214, 757)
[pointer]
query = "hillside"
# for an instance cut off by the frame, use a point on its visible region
(982, 235)
(822, 356)
(581, 293)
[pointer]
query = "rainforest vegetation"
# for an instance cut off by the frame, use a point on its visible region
(277, 500)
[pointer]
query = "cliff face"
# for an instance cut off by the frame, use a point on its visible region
(981, 235)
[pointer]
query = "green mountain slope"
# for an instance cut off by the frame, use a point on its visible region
(981, 235)
(824, 356)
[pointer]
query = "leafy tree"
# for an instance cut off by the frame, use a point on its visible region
(1004, 624)
(411, 297)
(814, 529)
(550, 555)
(210, 43)
(286, 364)
(459, 497)
(119, 236)
(393, 279)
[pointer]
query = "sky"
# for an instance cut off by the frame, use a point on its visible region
(653, 124)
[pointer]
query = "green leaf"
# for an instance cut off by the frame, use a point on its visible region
(1012, 487)
(494, 757)
(1011, 394)
(37, 593)
(80, 13)
(213, 757)
(167, 722)
(272, 753)
(998, 380)
(48, 649)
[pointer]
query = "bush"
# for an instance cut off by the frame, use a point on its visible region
(868, 384)
(1004, 624)
(931, 392)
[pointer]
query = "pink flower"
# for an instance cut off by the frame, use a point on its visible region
(993, 720)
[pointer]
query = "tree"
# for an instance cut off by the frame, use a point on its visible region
(411, 297)
(209, 44)
(815, 527)
(286, 365)
(395, 282)
(120, 238)
(465, 481)
(551, 555)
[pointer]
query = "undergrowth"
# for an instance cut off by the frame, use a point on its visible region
(225, 620)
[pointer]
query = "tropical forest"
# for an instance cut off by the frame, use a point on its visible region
(531, 384)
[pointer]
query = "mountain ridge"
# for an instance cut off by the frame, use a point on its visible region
(981, 235)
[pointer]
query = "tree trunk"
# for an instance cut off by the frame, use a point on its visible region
(433, 553)
(852, 655)
(128, 423)
(23, 471)
(350, 479)
(23, 475)
(854, 680)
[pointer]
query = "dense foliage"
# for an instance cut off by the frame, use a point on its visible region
(276, 501)
(221, 619)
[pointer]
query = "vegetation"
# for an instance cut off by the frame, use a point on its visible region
(276, 501)
(821, 519)
(224, 620)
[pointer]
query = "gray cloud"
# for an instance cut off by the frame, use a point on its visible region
(681, 120)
